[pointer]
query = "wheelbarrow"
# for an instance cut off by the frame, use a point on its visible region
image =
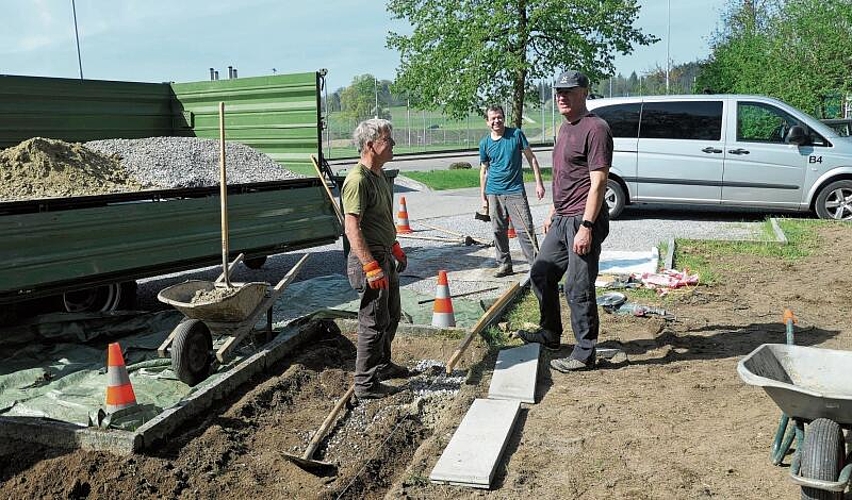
(232, 312)
(813, 388)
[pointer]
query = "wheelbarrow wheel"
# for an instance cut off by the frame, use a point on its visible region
(192, 351)
(822, 457)
(255, 262)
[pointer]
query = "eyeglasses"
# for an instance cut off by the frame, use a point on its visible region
(387, 140)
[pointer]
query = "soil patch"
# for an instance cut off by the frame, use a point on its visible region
(675, 422)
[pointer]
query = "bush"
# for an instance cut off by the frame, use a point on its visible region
(460, 165)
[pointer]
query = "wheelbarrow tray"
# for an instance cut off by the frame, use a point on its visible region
(805, 382)
(231, 309)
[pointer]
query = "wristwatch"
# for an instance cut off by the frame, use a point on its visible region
(588, 224)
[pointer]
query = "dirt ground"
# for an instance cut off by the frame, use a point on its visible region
(675, 422)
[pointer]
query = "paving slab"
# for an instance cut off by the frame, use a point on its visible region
(516, 374)
(472, 455)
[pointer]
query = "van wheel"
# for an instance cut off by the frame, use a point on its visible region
(835, 201)
(615, 198)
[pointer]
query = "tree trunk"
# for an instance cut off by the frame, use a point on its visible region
(520, 77)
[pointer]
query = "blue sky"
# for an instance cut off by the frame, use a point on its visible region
(178, 40)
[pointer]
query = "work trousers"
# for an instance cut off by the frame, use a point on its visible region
(378, 318)
(500, 208)
(557, 259)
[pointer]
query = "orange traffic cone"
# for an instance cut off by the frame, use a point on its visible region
(402, 226)
(511, 233)
(119, 393)
(442, 315)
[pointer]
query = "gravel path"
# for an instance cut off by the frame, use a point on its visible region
(639, 230)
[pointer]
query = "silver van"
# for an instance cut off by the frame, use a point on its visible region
(725, 150)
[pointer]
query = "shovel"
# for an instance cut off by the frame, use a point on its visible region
(305, 461)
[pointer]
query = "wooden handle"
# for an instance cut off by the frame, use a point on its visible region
(320, 434)
(223, 193)
(327, 191)
(481, 324)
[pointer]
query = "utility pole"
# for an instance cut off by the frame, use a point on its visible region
(376, 81)
(668, 46)
(77, 35)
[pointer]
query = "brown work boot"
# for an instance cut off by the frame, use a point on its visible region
(393, 370)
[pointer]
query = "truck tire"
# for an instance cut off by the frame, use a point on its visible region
(255, 262)
(615, 197)
(192, 351)
(835, 201)
(822, 457)
(103, 298)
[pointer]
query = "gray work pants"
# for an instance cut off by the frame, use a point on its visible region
(557, 259)
(500, 208)
(378, 317)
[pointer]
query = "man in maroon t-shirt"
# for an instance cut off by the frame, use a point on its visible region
(576, 228)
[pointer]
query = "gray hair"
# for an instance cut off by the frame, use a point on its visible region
(370, 130)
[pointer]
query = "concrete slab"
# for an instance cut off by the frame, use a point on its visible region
(472, 455)
(516, 374)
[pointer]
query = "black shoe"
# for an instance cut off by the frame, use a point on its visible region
(537, 337)
(393, 370)
(378, 391)
(503, 271)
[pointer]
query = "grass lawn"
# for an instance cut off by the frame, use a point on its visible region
(440, 180)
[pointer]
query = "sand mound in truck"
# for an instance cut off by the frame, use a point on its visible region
(51, 168)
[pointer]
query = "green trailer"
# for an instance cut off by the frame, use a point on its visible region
(89, 250)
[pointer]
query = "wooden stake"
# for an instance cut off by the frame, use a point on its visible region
(480, 325)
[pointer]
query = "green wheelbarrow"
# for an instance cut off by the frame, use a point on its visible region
(813, 388)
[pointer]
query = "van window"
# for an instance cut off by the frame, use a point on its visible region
(623, 119)
(697, 120)
(760, 122)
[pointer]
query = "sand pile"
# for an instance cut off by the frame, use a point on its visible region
(50, 168)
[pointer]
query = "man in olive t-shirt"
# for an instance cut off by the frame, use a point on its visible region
(375, 259)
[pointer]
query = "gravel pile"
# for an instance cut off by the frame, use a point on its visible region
(185, 162)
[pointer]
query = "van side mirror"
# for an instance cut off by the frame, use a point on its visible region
(797, 135)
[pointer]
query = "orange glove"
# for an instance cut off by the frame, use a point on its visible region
(375, 276)
(399, 255)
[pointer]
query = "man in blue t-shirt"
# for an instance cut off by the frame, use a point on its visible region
(501, 183)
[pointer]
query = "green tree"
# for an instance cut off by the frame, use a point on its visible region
(464, 53)
(358, 100)
(799, 51)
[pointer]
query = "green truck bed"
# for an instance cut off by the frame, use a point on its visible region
(47, 250)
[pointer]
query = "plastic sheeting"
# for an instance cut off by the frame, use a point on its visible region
(58, 370)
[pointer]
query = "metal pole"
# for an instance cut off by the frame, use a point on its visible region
(376, 81)
(668, 45)
(77, 35)
(408, 112)
(327, 122)
(553, 113)
(541, 95)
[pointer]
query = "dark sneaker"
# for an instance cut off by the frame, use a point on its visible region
(393, 370)
(537, 337)
(503, 271)
(569, 364)
(378, 391)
